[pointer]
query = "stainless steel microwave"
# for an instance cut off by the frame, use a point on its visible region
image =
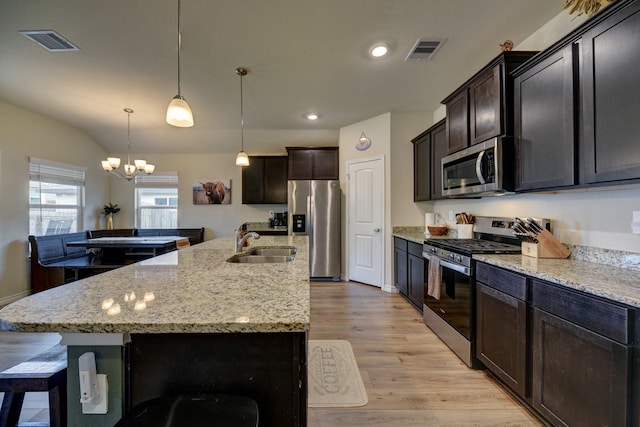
(484, 169)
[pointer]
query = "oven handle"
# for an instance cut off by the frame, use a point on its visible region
(455, 267)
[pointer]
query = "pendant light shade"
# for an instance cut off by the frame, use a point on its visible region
(179, 113)
(242, 159)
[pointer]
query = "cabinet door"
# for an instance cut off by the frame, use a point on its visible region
(252, 181)
(502, 336)
(580, 378)
(485, 115)
(400, 262)
(422, 168)
(275, 180)
(458, 122)
(544, 123)
(611, 98)
(416, 281)
(325, 164)
(438, 151)
(300, 164)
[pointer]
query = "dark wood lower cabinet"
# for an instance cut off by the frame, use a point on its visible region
(580, 378)
(502, 336)
(409, 271)
(400, 260)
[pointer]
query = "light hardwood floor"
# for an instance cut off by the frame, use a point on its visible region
(411, 377)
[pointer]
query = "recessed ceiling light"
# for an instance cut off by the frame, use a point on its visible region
(312, 116)
(379, 50)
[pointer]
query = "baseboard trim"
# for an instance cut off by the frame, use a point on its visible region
(12, 298)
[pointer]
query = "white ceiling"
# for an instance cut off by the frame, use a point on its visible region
(302, 56)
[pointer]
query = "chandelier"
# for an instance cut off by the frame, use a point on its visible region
(138, 167)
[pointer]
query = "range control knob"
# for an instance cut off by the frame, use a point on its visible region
(458, 258)
(450, 256)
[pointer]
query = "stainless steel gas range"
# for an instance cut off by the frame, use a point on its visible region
(450, 300)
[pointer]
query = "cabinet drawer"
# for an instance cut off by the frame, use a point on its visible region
(399, 243)
(510, 283)
(415, 249)
(603, 317)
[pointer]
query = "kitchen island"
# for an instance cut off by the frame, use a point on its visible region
(182, 322)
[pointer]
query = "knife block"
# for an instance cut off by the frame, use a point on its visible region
(547, 247)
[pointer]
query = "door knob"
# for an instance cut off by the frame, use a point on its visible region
(377, 230)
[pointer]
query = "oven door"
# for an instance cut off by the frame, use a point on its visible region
(455, 305)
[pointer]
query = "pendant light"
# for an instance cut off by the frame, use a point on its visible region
(242, 159)
(179, 113)
(138, 167)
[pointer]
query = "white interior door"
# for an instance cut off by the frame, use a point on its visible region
(365, 216)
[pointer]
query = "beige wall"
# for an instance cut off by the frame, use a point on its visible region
(218, 220)
(390, 135)
(24, 134)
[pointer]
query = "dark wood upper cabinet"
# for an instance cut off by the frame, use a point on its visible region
(313, 163)
(438, 151)
(611, 98)
(428, 149)
(264, 181)
(544, 123)
(482, 107)
(577, 106)
(457, 122)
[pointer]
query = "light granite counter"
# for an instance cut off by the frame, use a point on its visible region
(193, 289)
(611, 282)
(611, 274)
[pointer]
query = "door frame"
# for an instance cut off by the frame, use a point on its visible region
(383, 282)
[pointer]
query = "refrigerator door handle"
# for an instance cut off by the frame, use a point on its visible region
(309, 229)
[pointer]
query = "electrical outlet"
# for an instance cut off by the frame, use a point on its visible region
(452, 216)
(635, 225)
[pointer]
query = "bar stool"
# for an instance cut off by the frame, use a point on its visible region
(194, 410)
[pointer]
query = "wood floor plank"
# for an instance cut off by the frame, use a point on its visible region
(411, 377)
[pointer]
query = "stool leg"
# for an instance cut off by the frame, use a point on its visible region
(58, 406)
(11, 407)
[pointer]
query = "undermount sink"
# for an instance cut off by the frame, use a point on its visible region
(266, 255)
(260, 259)
(273, 250)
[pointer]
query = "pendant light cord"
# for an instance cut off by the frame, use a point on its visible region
(241, 114)
(179, 48)
(128, 111)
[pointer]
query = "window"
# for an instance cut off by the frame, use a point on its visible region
(56, 196)
(157, 200)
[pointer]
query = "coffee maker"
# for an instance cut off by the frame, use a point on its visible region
(279, 220)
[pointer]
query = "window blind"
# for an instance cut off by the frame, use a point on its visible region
(55, 173)
(157, 180)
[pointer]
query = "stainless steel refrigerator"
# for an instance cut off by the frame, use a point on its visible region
(314, 210)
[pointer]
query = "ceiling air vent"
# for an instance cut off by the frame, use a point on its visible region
(50, 40)
(424, 49)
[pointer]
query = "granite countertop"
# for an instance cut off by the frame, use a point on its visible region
(614, 275)
(611, 282)
(194, 291)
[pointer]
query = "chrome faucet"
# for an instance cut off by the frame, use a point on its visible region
(239, 241)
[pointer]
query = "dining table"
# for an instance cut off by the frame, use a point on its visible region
(116, 250)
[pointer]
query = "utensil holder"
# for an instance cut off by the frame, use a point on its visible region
(547, 247)
(465, 231)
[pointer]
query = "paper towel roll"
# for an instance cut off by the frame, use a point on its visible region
(429, 219)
